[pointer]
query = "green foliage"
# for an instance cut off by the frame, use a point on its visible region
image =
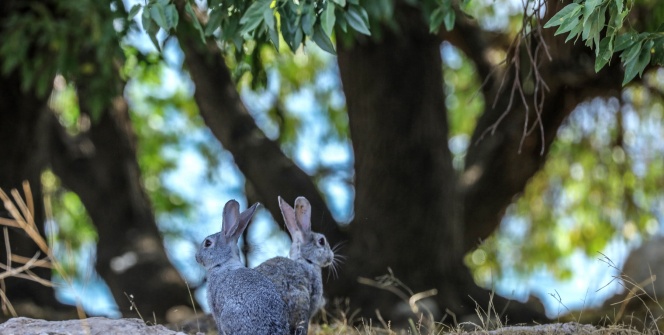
(296, 74)
(586, 19)
(264, 21)
(443, 13)
(72, 38)
(602, 181)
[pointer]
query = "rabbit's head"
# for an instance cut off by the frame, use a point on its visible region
(221, 247)
(307, 245)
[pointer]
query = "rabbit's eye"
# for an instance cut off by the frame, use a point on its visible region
(207, 243)
(321, 241)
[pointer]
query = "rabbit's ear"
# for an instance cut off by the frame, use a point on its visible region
(230, 218)
(245, 217)
(303, 214)
(289, 217)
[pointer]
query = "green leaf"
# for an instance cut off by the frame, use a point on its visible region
(619, 5)
(604, 53)
(274, 36)
(342, 22)
(254, 15)
(322, 40)
(214, 21)
(632, 52)
(213, 3)
(615, 21)
(644, 56)
(574, 32)
(436, 19)
(637, 64)
(308, 20)
(598, 25)
(565, 13)
(150, 27)
(134, 11)
(297, 39)
(194, 19)
(568, 25)
(158, 14)
(328, 18)
(341, 3)
(624, 41)
(268, 17)
(450, 17)
(172, 16)
(589, 9)
(358, 19)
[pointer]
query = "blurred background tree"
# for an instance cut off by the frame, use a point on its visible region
(459, 115)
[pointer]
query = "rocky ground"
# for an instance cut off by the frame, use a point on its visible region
(101, 325)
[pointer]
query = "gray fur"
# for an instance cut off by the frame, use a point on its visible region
(243, 301)
(299, 278)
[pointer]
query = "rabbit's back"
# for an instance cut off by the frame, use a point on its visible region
(296, 282)
(246, 302)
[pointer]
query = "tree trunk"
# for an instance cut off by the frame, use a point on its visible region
(405, 211)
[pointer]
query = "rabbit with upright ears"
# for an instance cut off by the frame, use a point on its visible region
(243, 301)
(299, 278)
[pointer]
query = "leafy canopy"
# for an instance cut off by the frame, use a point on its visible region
(264, 21)
(586, 19)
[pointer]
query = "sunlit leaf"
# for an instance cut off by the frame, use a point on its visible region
(564, 14)
(358, 19)
(328, 18)
(604, 52)
(322, 40)
(214, 21)
(134, 11)
(254, 15)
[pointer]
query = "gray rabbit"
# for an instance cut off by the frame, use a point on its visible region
(299, 277)
(243, 301)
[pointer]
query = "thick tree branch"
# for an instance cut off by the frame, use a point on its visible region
(500, 162)
(260, 159)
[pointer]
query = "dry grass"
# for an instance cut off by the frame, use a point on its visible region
(636, 310)
(20, 209)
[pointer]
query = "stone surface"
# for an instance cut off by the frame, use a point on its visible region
(89, 326)
(570, 328)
